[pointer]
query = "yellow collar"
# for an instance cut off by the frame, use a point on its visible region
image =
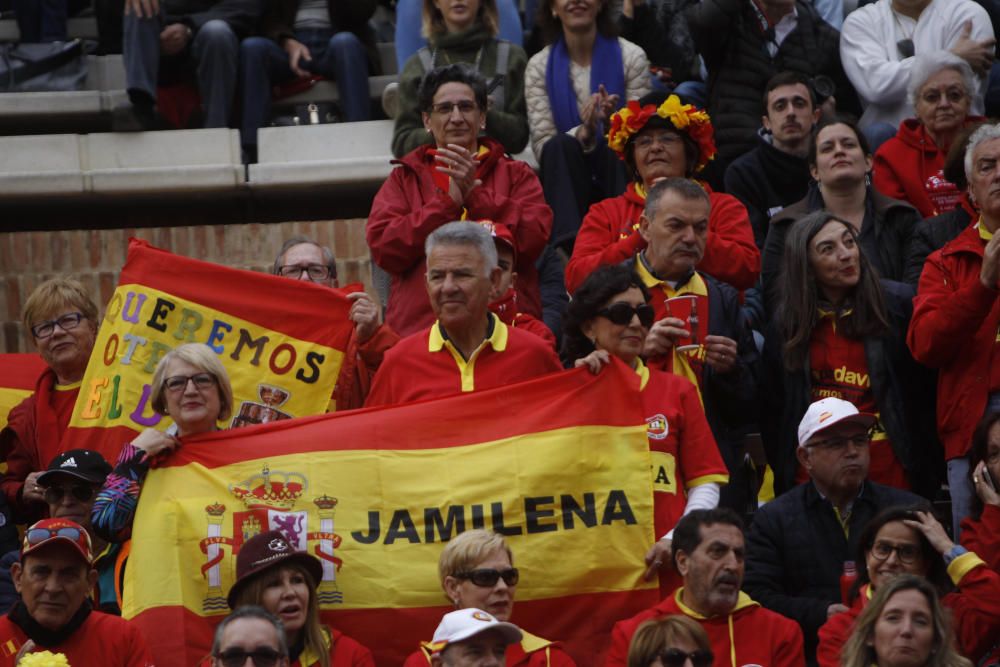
(742, 602)
(696, 285)
(70, 386)
(642, 372)
(531, 643)
(498, 339)
(984, 233)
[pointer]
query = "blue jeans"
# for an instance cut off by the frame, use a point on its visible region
(877, 134)
(45, 20)
(340, 56)
(961, 492)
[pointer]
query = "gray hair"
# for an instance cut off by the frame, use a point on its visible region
(465, 232)
(983, 133)
(927, 65)
(328, 259)
(252, 612)
(685, 187)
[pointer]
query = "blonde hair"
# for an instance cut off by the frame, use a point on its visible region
(53, 296)
(659, 634)
(202, 357)
(462, 553)
(432, 23)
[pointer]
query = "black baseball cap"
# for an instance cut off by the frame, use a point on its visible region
(83, 464)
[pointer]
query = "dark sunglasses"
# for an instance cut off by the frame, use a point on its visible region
(82, 492)
(488, 577)
(262, 656)
(621, 314)
(37, 535)
(674, 657)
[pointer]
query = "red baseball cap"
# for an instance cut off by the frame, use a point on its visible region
(501, 234)
(47, 532)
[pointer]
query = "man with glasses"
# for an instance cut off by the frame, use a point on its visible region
(55, 577)
(798, 543)
(250, 632)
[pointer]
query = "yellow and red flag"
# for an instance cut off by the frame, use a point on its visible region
(282, 343)
(560, 465)
(18, 375)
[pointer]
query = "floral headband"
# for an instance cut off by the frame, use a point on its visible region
(687, 118)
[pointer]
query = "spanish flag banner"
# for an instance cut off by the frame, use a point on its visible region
(559, 465)
(282, 343)
(18, 375)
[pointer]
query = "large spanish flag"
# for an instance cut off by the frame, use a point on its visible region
(560, 465)
(281, 341)
(18, 375)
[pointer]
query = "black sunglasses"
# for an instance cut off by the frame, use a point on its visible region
(621, 313)
(674, 657)
(82, 492)
(488, 577)
(262, 656)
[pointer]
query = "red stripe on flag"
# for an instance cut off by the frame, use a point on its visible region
(20, 371)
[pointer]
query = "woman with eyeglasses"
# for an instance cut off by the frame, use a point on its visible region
(191, 386)
(840, 332)
(610, 316)
(477, 571)
(672, 641)
(910, 541)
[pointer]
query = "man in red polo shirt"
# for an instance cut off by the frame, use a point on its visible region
(467, 348)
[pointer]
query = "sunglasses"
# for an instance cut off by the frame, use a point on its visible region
(38, 535)
(674, 657)
(262, 656)
(621, 314)
(82, 492)
(488, 577)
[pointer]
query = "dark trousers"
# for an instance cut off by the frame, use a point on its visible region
(45, 20)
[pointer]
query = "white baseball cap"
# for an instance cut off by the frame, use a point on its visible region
(457, 626)
(824, 413)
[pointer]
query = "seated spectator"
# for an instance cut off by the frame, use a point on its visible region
(956, 314)
(468, 348)
(904, 626)
(273, 575)
(301, 258)
(661, 138)
(55, 577)
(909, 166)
(477, 575)
(572, 86)
(301, 39)
(610, 316)
(249, 632)
(775, 174)
(880, 41)
(461, 177)
(840, 332)
(45, 20)
(62, 319)
(166, 41)
(981, 529)
(798, 543)
(472, 638)
(901, 541)
(191, 386)
(670, 642)
(839, 162)
(708, 552)
(661, 29)
(465, 32)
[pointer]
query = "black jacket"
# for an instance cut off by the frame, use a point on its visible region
(241, 15)
(930, 235)
(349, 16)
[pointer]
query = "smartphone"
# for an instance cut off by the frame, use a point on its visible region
(988, 478)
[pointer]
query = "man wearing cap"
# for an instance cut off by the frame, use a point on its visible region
(55, 577)
(472, 638)
(468, 348)
(798, 543)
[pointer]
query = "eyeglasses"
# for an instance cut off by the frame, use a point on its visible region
(39, 535)
(621, 313)
(179, 382)
(262, 656)
(953, 95)
(674, 657)
(315, 272)
(82, 492)
(840, 443)
(488, 577)
(906, 553)
(66, 322)
(664, 139)
(465, 107)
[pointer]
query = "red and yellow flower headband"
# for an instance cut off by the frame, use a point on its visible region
(687, 118)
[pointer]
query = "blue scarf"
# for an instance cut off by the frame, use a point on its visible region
(605, 67)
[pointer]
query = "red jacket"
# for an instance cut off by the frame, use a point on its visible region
(609, 234)
(909, 167)
(344, 652)
(749, 635)
(359, 366)
(409, 206)
(105, 640)
(506, 309)
(982, 536)
(532, 651)
(953, 329)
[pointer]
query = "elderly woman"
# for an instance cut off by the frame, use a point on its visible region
(659, 137)
(610, 316)
(272, 574)
(191, 387)
(465, 32)
(573, 85)
(903, 626)
(839, 331)
(477, 570)
(460, 177)
(672, 641)
(62, 319)
(839, 161)
(909, 166)
(909, 540)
